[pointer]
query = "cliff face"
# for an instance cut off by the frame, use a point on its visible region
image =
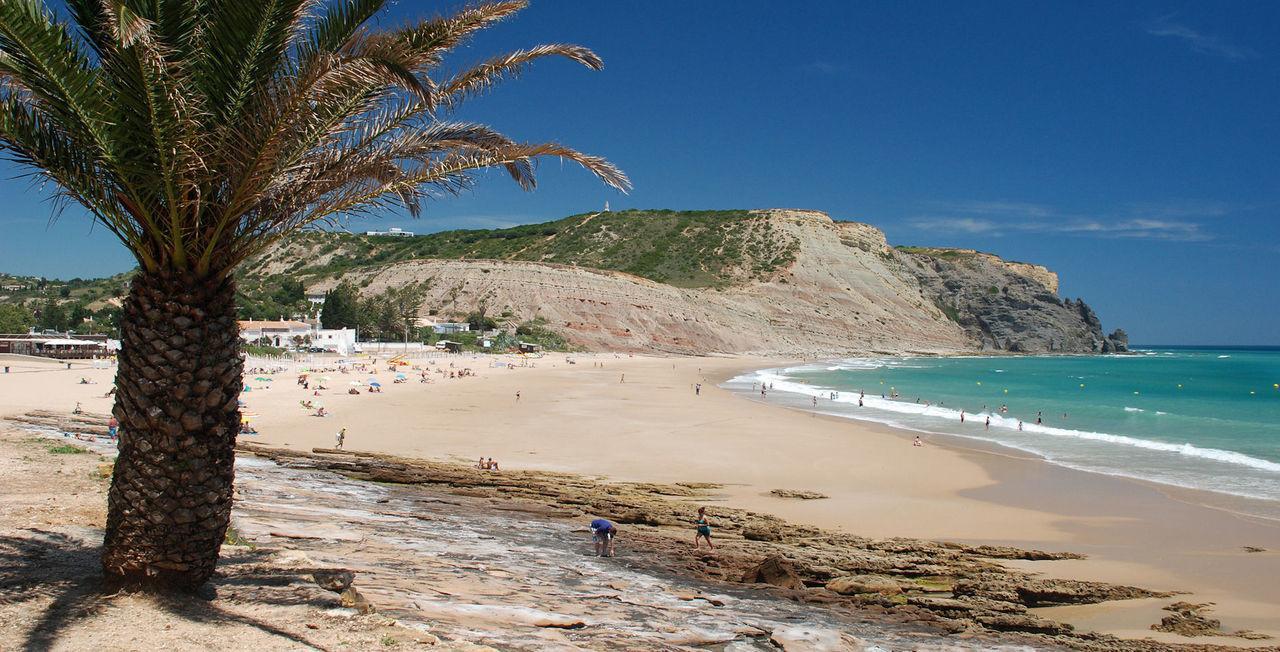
(1008, 306)
(787, 282)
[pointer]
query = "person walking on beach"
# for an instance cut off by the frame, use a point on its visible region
(1019, 425)
(602, 536)
(697, 389)
(340, 438)
(988, 426)
(703, 530)
(815, 401)
(961, 416)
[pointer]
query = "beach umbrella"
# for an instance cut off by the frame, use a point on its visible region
(263, 379)
(375, 384)
(371, 380)
(401, 376)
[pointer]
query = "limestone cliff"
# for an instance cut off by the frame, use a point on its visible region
(788, 282)
(1008, 306)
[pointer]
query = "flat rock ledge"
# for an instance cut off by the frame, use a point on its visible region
(940, 586)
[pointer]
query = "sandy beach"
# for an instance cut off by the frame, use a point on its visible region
(639, 419)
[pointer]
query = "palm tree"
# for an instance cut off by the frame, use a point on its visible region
(200, 132)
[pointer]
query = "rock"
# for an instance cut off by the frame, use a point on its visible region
(857, 584)
(1119, 341)
(762, 533)
(699, 637)
(776, 571)
(798, 493)
(1188, 619)
(351, 598)
(1050, 592)
(1254, 549)
(1022, 623)
(806, 638)
(336, 580)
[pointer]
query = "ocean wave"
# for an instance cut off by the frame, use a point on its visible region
(780, 382)
(1134, 409)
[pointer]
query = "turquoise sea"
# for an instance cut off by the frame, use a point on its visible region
(1201, 418)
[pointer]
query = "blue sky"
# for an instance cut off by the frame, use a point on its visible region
(1132, 147)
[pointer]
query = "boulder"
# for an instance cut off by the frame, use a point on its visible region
(351, 598)
(775, 570)
(335, 579)
(1119, 340)
(858, 584)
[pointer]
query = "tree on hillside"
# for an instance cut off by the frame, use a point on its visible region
(341, 307)
(52, 316)
(15, 318)
(199, 133)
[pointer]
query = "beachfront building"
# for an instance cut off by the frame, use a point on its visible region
(277, 333)
(62, 346)
(451, 347)
(338, 340)
(394, 232)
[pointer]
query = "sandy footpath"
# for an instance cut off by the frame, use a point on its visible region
(639, 419)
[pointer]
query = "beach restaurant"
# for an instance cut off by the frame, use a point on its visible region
(60, 346)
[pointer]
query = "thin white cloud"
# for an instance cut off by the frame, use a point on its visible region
(961, 224)
(994, 208)
(1167, 221)
(1164, 26)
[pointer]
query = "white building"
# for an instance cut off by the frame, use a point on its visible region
(338, 340)
(279, 333)
(395, 232)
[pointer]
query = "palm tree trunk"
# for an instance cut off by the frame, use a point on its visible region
(177, 391)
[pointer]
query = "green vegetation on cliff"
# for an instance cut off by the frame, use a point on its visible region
(681, 248)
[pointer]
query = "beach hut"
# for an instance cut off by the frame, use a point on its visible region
(450, 346)
(530, 347)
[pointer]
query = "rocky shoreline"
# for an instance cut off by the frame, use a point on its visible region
(939, 591)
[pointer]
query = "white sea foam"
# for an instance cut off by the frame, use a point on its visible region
(892, 412)
(1134, 409)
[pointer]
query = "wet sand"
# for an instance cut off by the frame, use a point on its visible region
(581, 418)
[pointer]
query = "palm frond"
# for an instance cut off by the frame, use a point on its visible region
(201, 131)
(481, 77)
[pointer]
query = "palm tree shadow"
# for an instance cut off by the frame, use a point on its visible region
(63, 571)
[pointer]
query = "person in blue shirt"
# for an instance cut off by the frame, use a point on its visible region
(602, 535)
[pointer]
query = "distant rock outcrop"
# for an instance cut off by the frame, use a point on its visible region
(1008, 306)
